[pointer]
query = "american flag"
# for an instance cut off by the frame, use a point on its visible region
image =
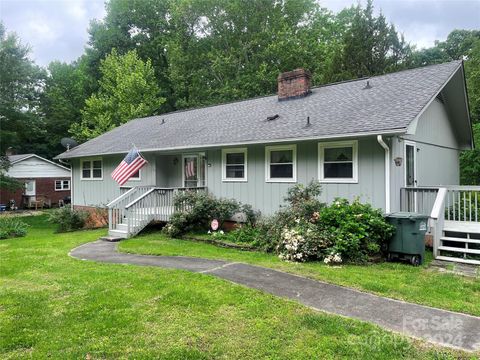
(128, 167)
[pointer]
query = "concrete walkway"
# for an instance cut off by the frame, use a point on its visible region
(434, 325)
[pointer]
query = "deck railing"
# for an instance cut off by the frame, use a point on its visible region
(462, 203)
(418, 199)
(155, 204)
(116, 208)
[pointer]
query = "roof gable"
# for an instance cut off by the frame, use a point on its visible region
(391, 103)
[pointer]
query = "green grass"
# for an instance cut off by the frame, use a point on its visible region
(54, 306)
(395, 280)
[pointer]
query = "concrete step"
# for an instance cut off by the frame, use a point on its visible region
(461, 240)
(459, 250)
(118, 233)
(460, 260)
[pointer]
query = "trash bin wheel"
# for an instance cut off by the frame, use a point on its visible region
(415, 260)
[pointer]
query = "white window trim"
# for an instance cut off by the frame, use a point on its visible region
(139, 178)
(268, 150)
(336, 144)
(244, 151)
(62, 189)
(414, 145)
(91, 172)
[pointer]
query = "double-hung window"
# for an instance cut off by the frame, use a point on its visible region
(281, 163)
(92, 169)
(338, 162)
(234, 164)
(62, 185)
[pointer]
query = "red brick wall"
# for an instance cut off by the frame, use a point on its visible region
(6, 196)
(43, 186)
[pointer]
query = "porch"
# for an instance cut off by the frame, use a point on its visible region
(454, 220)
(137, 207)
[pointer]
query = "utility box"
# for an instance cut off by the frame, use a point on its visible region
(408, 242)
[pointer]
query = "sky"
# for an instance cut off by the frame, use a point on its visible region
(57, 29)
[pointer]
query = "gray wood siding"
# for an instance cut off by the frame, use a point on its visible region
(268, 197)
(101, 192)
(437, 154)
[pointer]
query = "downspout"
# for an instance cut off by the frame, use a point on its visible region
(71, 179)
(387, 172)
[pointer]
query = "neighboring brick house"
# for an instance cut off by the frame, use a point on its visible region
(42, 178)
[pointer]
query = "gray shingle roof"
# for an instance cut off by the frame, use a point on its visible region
(14, 158)
(334, 110)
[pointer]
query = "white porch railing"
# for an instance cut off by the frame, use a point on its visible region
(116, 208)
(454, 219)
(136, 208)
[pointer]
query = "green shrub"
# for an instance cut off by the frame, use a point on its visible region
(12, 227)
(306, 229)
(195, 211)
(302, 205)
(305, 241)
(359, 231)
(68, 219)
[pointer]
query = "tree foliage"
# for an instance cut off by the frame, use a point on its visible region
(127, 90)
(6, 182)
(21, 81)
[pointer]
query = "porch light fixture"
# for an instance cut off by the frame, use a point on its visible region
(398, 161)
(175, 161)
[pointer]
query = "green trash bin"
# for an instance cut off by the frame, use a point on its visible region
(408, 242)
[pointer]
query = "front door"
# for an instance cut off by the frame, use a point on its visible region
(194, 170)
(190, 171)
(411, 174)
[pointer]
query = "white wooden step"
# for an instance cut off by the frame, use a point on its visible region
(123, 227)
(461, 226)
(459, 250)
(460, 260)
(118, 233)
(462, 240)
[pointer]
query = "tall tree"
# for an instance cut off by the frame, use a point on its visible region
(20, 84)
(371, 45)
(66, 89)
(141, 25)
(234, 49)
(127, 90)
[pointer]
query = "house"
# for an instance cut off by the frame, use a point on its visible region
(46, 183)
(374, 139)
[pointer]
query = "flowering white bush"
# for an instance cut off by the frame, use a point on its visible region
(302, 242)
(333, 259)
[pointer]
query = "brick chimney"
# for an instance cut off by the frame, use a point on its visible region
(293, 84)
(10, 151)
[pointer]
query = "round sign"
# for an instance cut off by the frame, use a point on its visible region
(214, 225)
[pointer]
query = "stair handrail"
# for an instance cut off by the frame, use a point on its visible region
(129, 205)
(121, 197)
(437, 217)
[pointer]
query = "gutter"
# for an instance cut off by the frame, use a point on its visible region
(71, 179)
(238, 143)
(387, 172)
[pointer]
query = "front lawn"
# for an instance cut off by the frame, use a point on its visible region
(54, 306)
(399, 281)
